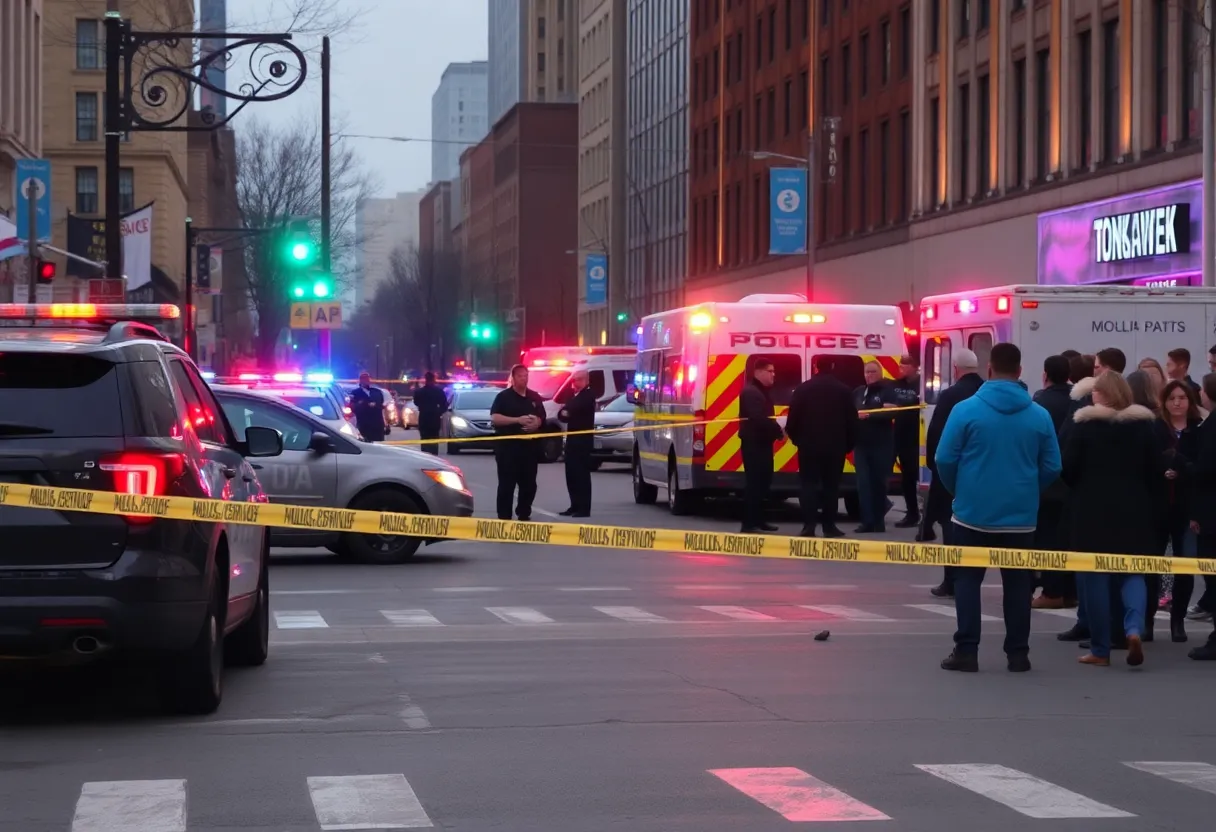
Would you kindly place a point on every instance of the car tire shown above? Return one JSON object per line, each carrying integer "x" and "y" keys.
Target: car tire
{"x": 644, "y": 494}
{"x": 551, "y": 449}
{"x": 249, "y": 644}
{"x": 383, "y": 550}
{"x": 192, "y": 682}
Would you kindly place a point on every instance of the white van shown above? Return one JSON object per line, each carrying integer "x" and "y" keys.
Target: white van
{"x": 692, "y": 364}
{"x": 1142, "y": 321}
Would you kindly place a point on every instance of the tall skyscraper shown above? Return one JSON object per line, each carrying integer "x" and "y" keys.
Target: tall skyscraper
{"x": 533, "y": 53}
{"x": 213, "y": 17}
{"x": 459, "y": 117}
{"x": 506, "y": 43}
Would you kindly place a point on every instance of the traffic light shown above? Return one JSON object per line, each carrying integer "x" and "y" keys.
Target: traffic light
{"x": 312, "y": 287}
{"x": 481, "y": 332}
{"x": 621, "y": 317}
{"x": 46, "y": 271}
{"x": 299, "y": 248}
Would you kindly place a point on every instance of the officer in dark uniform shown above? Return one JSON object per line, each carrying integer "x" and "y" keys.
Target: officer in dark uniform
{"x": 579, "y": 415}
{"x": 367, "y": 403}
{"x": 758, "y": 431}
{"x": 905, "y": 392}
{"x": 431, "y": 403}
{"x": 517, "y": 412}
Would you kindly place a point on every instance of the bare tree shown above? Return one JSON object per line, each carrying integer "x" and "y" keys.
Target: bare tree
{"x": 417, "y": 304}
{"x": 278, "y": 179}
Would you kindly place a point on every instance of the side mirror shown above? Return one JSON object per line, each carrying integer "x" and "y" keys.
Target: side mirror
{"x": 262, "y": 441}
{"x": 320, "y": 442}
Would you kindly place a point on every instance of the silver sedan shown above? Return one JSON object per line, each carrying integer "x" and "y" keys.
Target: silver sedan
{"x": 615, "y": 445}
{"x": 322, "y": 467}
{"x": 468, "y": 419}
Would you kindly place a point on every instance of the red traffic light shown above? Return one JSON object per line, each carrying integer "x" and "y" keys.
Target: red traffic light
{"x": 46, "y": 271}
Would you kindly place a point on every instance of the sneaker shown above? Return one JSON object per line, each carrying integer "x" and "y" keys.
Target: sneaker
{"x": 961, "y": 662}
{"x": 942, "y": 591}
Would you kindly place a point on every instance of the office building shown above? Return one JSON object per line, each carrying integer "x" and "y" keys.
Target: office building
{"x": 382, "y": 225}
{"x": 532, "y": 53}
{"x": 459, "y": 117}
{"x": 21, "y": 97}
{"x": 213, "y": 17}
{"x": 657, "y": 166}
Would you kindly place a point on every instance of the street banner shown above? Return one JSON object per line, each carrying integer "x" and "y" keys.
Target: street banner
{"x": 787, "y": 211}
{"x": 597, "y": 280}
{"x": 87, "y": 238}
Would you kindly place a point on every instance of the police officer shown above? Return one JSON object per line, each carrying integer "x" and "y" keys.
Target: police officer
{"x": 367, "y": 402}
{"x": 431, "y": 403}
{"x": 874, "y": 455}
{"x": 905, "y": 392}
{"x": 518, "y": 413}
{"x": 579, "y": 415}
{"x": 758, "y": 431}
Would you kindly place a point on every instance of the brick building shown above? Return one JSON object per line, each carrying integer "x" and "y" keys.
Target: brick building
{"x": 520, "y": 231}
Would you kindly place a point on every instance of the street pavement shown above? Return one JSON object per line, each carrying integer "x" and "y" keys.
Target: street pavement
{"x": 487, "y": 687}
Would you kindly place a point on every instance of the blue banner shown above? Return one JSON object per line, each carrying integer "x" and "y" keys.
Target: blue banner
{"x": 597, "y": 280}
{"x": 787, "y": 211}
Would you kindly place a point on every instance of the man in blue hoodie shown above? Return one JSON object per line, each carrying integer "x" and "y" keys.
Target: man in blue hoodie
{"x": 997, "y": 454}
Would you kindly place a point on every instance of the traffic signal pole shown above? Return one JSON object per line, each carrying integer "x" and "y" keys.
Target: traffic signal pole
{"x": 32, "y": 246}
{"x": 188, "y": 316}
{"x": 326, "y": 343}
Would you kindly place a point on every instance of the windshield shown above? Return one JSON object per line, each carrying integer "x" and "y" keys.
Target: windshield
{"x": 318, "y": 404}
{"x": 619, "y": 405}
{"x": 475, "y": 399}
{"x": 547, "y": 382}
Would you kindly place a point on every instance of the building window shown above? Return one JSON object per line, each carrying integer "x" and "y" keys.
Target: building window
{"x": 884, "y": 171}
{"x": 540, "y": 61}
{"x": 1110, "y": 99}
{"x": 863, "y": 57}
{"x": 1161, "y": 75}
{"x": 1191, "y": 85}
{"x": 846, "y": 184}
{"x": 1042, "y": 104}
{"x": 825, "y": 86}
{"x": 90, "y": 46}
{"x": 772, "y": 35}
{"x": 885, "y": 35}
{"x": 540, "y": 27}
{"x": 846, "y": 74}
{"x": 1085, "y": 100}
{"x": 964, "y": 141}
{"x": 788, "y": 115}
{"x": 789, "y": 25}
{"x": 935, "y": 150}
{"x": 739, "y": 129}
{"x": 935, "y": 26}
{"x": 984, "y": 135}
{"x": 759, "y": 41}
{"x": 86, "y": 190}
{"x": 806, "y": 21}
{"x": 964, "y": 18}
{"x": 863, "y": 169}
{"x": 825, "y": 12}
{"x": 86, "y": 116}
{"x": 715, "y": 138}
{"x": 905, "y": 41}
{"x": 983, "y": 19}
{"x": 771, "y": 125}
{"x": 715, "y": 70}
{"x": 905, "y": 165}
{"x": 757, "y": 117}
{"x": 757, "y": 216}
{"x": 126, "y": 190}
{"x": 738, "y": 56}
{"x": 1019, "y": 122}
{"x": 713, "y": 229}
{"x": 804, "y": 94}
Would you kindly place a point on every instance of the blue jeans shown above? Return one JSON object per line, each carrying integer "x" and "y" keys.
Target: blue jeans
{"x": 1018, "y": 586}
{"x": 1096, "y": 587}
{"x": 874, "y": 461}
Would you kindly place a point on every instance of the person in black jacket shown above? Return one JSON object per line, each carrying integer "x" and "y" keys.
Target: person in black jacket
{"x": 1059, "y": 588}
{"x": 367, "y": 403}
{"x": 905, "y": 392}
{"x": 1181, "y": 420}
{"x": 874, "y": 456}
{"x": 822, "y": 425}
{"x": 431, "y": 402}
{"x": 578, "y": 414}
{"x": 1202, "y": 477}
{"x": 758, "y": 431}
{"x": 938, "y": 505}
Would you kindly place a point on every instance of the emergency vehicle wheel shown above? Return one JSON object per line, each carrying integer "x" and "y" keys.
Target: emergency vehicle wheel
{"x": 679, "y": 502}
{"x": 644, "y": 494}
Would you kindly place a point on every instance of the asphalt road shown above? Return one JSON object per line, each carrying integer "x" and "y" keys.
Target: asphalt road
{"x": 512, "y": 688}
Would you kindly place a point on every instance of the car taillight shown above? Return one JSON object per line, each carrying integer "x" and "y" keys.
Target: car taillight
{"x": 698, "y": 438}
{"x": 143, "y": 474}
{"x": 347, "y": 412}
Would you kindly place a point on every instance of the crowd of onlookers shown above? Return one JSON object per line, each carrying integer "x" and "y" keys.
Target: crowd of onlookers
{"x": 1107, "y": 463}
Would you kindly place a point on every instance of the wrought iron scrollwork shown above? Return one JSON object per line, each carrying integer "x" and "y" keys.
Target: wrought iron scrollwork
{"x": 160, "y": 85}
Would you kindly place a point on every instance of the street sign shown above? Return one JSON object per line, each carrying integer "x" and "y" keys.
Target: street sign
{"x": 202, "y": 264}
{"x": 34, "y": 176}
{"x": 107, "y": 291}
{"x": 301, "y": 316}
{"x": 327, "y": 316}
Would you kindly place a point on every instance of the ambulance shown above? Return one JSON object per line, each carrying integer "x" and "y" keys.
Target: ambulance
{"x": 1142, "y": 321}
{"x": 692, "y": 364}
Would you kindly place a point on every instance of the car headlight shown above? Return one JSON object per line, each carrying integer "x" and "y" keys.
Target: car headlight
{"x": 448, "y": 479}
{"x": 459, "y": 422}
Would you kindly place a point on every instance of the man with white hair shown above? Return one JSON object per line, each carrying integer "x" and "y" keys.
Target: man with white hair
{"x": 967, "y": 381}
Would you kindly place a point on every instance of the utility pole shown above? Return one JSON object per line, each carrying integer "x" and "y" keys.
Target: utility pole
{"x": 1209, "y": 145}
{"x": 188, "y": 319}
{"x": 810, "y": 213}
{"x": 32, "y": 246}
{"x": 114, "y": 34}
{"x": 326, "y": 141}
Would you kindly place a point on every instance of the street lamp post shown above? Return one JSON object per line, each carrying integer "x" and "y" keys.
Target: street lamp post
{"x": 809, "y": 162}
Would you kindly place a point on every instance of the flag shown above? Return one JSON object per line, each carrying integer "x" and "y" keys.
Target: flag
{"x": 87, "y": 238}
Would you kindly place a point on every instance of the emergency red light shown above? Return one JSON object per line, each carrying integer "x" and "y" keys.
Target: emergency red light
{"x": 965, "y": 307}
{"x": 1002, "y": 303}
{"x": 249, "y": 377}
{"x": 1030, "y": 304}
{"x": 288, "y": 377}
{"x": 90, "y": 311}
{"x": 929, "y": 313}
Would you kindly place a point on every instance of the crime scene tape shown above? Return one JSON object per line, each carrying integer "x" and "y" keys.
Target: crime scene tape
{"x": 658, "y": 425}
{"x": 433, "y": 527}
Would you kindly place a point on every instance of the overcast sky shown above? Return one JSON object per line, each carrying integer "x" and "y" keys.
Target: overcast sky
{"x": 384, "y": 73}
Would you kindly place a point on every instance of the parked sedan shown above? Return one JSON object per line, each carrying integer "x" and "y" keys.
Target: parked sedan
{"x": 616, "y": 446}
{"x": 324, "y": 468}
{"x": 469, "y": 418}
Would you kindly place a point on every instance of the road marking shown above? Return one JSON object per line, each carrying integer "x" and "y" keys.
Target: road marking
{"x": 374, "y": 801}
{"x": 467, "y": 589}
{"x": 299, "y": 620}
{"x": 739, "y": 613}
{"x": 707, "y": 587}
{"x": 553, "y": 514}
{"x": 942, "y": 609}
{"x": 594, "y": 589}
{"x": 847, "y": 613}
{"x": 632, "y": 614}
{"x": 1060, "y": 613}
{"x": 826, "y": 586}
{"x": 796, "y": 795}
{"x": 274, "y": 592}
{"x": 123, "y": 805}
{"x": 1024, "y": 793}
{"x": 520, "y": 615}
{"x": 412, "y": 715}
{"x": 1200, "y": 776}
{"x": 411, "y": 618}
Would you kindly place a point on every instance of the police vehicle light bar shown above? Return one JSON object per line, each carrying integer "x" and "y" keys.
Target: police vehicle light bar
{"x": 91, "y": 311}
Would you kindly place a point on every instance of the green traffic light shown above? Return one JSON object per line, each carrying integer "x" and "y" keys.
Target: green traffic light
{"x": 298, "y": 291}
{"x": 621, "y": 317}
{"x": 320, "y": 289}
{"x": 301, "y": 251}
{"x": 487, "y": 333}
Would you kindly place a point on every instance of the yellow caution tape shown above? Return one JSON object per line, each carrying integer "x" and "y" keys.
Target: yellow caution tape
{"x": 579, "y": 534}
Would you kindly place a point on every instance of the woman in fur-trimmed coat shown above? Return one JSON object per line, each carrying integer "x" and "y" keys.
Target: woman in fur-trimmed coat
{"x": 1112, "y": 461}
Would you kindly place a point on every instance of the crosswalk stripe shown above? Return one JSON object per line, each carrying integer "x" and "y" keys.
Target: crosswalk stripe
{"x": 299, "y": 620}
{"x": 1060, "y": 613}
{"x": 739, "y": 613}
{"x": 942, "y": 609}
{"x": 796, "y": 795}
{"x": 632, "y": 614}
{"x": 847, "y": 613}
{"x": 411, "y": 618}
{"x": 1024, "y": 793}
{"x": 123, "y": 805}
{"x": 520, "y": 615}
{"x": 1200, "y": 776}
{"x": 374, "y": 801}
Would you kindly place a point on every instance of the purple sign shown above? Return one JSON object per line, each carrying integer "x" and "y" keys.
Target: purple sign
{"x": 1145, "y": 238}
